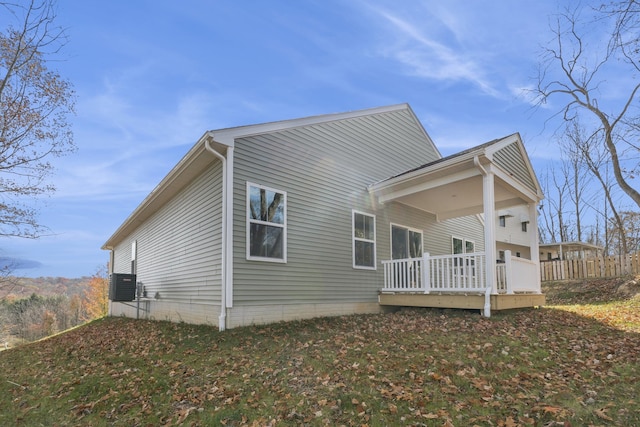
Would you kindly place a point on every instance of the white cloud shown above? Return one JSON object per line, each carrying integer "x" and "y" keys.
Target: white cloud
{"x": 431, "y": 57}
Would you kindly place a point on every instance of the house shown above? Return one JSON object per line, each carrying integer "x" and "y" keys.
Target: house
{"x": 327, "y": 215}
{"x": 569, "y": 250}
{"x": 514, "y": 232}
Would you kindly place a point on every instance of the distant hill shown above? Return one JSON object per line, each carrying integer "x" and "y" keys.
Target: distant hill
{"x": 24, "y": 287}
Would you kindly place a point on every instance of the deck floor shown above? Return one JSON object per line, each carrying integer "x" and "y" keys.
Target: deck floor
{"x": 469, "y": 301}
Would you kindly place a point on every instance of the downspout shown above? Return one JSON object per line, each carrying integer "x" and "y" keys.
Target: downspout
{"x": 224, "y": 256}
{"x": 487, "y": 293}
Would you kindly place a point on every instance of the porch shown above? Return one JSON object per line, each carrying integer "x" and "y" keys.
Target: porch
{"x": 459, "y": 281}
{"x": 481, "y": 182}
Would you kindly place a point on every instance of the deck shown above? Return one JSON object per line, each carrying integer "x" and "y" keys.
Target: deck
{"x": 459, "y": 281}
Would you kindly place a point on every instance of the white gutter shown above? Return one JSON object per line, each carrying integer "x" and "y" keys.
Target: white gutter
{"x": 487, "y": 293}
{"x": 227, "y": 221}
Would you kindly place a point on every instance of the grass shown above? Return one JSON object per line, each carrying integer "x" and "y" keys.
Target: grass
{"x": 574, "y": 363}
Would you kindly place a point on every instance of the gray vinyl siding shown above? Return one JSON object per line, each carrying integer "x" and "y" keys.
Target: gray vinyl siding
{"x": 510, "y": 159}
{"x": 122, "y": 258}
{"x": 440, "y": 234}
{"x": 179, "y": 247}
{"x": 436, "y": 234}
{"x": 325, "y": 170}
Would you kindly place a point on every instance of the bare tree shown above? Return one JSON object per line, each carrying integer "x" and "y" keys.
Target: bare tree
{"x": 573, "y": 69}
{"x": 576, "y": 173}
{"x": 555, "y": 225}
{"x": 631, "y": 221}
{"x": 595, "y": 158}
{"x": 35, "y": 102}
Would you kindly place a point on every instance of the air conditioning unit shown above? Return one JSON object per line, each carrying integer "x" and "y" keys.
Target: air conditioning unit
{"x": 122, "y": 287}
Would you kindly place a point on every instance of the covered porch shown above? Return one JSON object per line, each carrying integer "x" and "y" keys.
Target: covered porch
{"x": 480, "y": 181}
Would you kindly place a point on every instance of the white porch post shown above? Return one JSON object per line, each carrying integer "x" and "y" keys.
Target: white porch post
{"x": 534, "y": 242}
{"x": 426, "y": 272}
{"x": 488, "y": 200}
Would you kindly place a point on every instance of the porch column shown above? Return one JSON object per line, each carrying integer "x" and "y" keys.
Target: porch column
{"x": 534, "y": 239}
{"x": 489, "y": 206}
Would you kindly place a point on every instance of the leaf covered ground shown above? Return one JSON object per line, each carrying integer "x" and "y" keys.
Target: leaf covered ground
{"x": 562, "y": 365}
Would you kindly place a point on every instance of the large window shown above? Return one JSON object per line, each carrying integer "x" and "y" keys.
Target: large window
{"x": 266, "y": 224}
{"x": 364, "y": 240}
{"x": 405, "y": 242}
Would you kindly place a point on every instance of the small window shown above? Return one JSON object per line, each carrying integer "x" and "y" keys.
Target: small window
{"x": 524, "y": 226}
{"x": 266, "y": 224}
{"x": 469, "y": 247}
{"x": 462, "y": 246}
{"x": 501, "y": 255}
{"x": 518, "y": 254}
{"x": 503, "y": 221}
{"x": 457, "y": 245}
{"x": 364, "y": 240}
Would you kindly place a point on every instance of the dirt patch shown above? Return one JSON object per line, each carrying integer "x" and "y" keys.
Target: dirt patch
{"x": 591, "y": 290}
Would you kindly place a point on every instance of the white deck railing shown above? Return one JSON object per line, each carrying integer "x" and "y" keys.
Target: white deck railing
{"x": 450, "y": 273}
{"x": 523, "y": 274}
{"x": 459, "y": 273}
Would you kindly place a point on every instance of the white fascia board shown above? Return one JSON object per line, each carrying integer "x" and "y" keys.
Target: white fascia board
{"x": 499, "y": 145}
{"x": 515, "y": 138}
{"x": 162, "y": 192}
{"x": 517, "y": 185}
{"x": 429, "y": 184}
{"x": 416, "y": 174}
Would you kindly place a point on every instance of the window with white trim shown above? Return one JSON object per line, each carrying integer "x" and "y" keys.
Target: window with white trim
{"x": 462, "y": 246}
{"x": 469, "y": 246}
{"x": 266, "y": 224}
{"x": 364, "y": 240}
{"x": 405, "y": 242}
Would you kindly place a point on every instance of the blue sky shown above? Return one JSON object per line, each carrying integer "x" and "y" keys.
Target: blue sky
{"x": 152, "y": 76}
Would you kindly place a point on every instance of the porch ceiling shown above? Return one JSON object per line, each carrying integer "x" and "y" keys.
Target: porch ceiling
{"x": 453, "y": 189}
{"x": 459, "y": 198}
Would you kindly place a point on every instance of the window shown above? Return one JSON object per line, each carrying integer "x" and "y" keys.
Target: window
{"x": 364, "y": 240}
{"x": 518, "y": 254}
{"x": 405, "y": 242}
{"x": 457, "y": 246}
{"x": 462, "y": 246}
{"x": 469, "y": 247}
{"x": 503, "y": 221}
{"x": 266, "y": 224}
{"x": 524, "y": 226}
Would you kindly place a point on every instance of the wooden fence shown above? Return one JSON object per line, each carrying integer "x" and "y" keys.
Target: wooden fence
{"x": 596, "y": 267}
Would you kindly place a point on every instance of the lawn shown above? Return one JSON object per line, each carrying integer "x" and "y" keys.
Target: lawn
{"x": 573, "y": 363}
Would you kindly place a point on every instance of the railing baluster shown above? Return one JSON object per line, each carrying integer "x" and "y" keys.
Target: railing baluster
{"x": 455, "y": 273}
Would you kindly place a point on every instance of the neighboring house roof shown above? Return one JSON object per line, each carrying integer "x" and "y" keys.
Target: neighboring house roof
{"x": 198, "y": 159}
{"x": 570, "y": 246}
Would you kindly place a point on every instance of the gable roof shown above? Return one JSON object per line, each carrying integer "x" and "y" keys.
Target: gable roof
{"x": 197, "y": 159}
{"x": 430, "y": 187}
{"x": 227, "y": 136}
{"x": 470, "y": 152}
